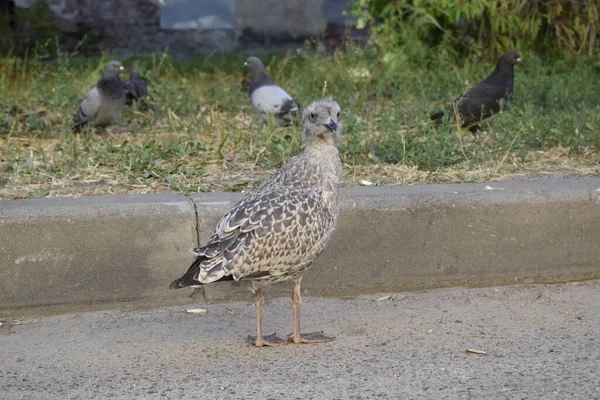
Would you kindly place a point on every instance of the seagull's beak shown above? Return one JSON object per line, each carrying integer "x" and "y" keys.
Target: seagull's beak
{"x": 519, "y": 61}
{"x": 332, "y": 126}
{"x": 121, "y": 68}
{"x": 245, "y": 64}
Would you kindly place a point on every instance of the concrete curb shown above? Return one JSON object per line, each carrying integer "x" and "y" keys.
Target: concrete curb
{"x": 89, "y": 249}
{"x": 122, "y": 248}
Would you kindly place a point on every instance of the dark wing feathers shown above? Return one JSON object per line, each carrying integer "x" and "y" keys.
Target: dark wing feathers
{"x": 482, "y": 100}
{"x": 288, "y": 106}
{"x": 134, "y": 90}
{"x": 477, "y": 104}
{"x": 80, "y": 119}
{"x": 288, "y": 110}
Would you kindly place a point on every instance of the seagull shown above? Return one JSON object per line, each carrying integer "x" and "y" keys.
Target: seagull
{"x": 275, "y": 233}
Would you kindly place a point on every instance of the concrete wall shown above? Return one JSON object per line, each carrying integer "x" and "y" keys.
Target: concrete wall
{"x": 133, "y": 26}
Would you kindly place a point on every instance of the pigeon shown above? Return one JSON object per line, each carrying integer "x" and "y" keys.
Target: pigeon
{"x": 275, "y": 232}
{"x": 102, "y": 105}
{"x": 135, "y": 89}
{"x": 482, "y": 100}
{"x": 267, "y": 98}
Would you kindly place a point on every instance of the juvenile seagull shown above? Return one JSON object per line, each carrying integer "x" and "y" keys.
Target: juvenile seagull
{"x": 482, "y": 100}
{"x": 102, "y": 105}
{"x": 267, "y": 98}
{"x": 134, "y": 88}
{"x": 277, "y": 230}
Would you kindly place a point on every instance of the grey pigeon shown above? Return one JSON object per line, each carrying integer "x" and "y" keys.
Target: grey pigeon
{"x": 267, "y": 98}
{"x": 277, "y": 230}
{"x": 135, "y": 89}
{"x": 483, "y": 99}
{"x": 103, "y": 104}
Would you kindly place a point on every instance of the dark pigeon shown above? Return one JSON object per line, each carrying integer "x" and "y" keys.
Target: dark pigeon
{"x": 267, "y": 98}
{"x": 103, "y": 104}
{"x": 135, "y": 89}
{"x": 483, "y": 99}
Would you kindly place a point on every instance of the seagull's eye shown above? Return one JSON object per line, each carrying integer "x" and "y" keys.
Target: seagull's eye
{"x": 338, "y": 115}
{"x": 313, "y": 115}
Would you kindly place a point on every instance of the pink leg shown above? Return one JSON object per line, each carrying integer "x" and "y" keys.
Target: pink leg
{"x": 316, "y": 337}
{"x": 271, "y": 340}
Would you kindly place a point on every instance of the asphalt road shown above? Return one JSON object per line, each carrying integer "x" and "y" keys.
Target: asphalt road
{"x": 541, "y": 342}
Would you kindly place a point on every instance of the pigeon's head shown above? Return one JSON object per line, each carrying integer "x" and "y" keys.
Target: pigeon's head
{"x": 321, "y": 121}
{"x": 254, "y": 64}
{"x": 113, "y": 68}
{"x": 511, "y": 58}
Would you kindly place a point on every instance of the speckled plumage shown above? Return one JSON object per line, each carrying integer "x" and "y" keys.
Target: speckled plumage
{"x": 277, "y": 230}
{"x": 103, "y": 104}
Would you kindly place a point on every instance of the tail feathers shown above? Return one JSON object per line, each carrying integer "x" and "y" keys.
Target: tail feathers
{"x": 80, "y": 119}
{"x": 190, "y": 278}
{"x": 437, "y": 118}
{"x": 287, "y": 112}
{"x": 437, "y": 115}
{"x": 201, "y": 272}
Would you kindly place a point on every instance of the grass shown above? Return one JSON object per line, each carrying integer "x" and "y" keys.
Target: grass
{"x": 198, "y": 132}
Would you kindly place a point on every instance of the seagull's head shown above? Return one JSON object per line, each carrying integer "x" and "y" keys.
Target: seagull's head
{"x": 321, "y": 121}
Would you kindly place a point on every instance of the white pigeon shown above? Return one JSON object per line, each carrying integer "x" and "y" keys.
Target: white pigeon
{"x": 103, "y": 104}
{"x": 269, "y": 99}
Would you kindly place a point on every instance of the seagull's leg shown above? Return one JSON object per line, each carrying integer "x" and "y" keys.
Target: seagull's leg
{"x": 316, "y": 337}
{"x": 271, "y": 340}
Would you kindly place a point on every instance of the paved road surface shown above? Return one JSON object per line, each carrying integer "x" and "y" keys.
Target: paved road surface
{"x": 542, "y": 342}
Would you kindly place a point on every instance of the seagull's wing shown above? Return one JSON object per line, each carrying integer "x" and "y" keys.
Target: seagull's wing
{"x": 266, "y": 234}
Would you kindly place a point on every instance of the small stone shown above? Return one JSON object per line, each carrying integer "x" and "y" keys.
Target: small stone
{"x": 196, "y": 311}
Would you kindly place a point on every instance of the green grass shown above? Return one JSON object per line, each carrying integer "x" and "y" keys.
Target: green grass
{"x": 198, "y": 132}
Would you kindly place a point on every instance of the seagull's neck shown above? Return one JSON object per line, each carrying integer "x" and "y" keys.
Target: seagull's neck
{"x": 322, "y": 147}
{"x": 325, "y": 157}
